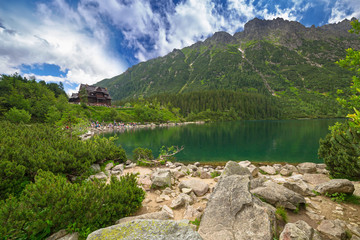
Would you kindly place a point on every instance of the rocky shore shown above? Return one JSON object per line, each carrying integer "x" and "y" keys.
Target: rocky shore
{"x": 235, "y": 201}
{"x": 91, "y": 131}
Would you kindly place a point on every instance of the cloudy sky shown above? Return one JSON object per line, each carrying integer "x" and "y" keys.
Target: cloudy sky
{"x": 85, "y": 41}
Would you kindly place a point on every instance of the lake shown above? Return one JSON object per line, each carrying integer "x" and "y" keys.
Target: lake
{"x": 267, "y": 140}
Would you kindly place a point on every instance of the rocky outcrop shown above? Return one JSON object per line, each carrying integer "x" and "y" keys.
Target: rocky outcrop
{"x": 299, "y": 230}
{"x": 147, "y": 229}
{"x": 268, "y": 170}
{"x": 336, "y": 186}
{"x": 279, "y": 195}
{"x": 199, "y": 187}
{"x": 234, "y": 213}
{"x": 299, "y": 186}
{"x": 307, "y": 167}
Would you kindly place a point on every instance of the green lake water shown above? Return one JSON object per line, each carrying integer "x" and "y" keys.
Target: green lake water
{"x": 272, "y": 141}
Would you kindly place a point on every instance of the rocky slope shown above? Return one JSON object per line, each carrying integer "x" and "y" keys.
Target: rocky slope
{"x": 279, "y": 57}
{"x": 241, "y": 203}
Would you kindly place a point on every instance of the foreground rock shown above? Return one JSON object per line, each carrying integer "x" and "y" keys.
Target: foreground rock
{"x": 299, "y": 230}
{"x": 307, "y": 167}
{"x": 234, "y": 213}
{"x": 279, "y": 195}
{"x": 336, "y": 186}
{"x": 199, "y": 187}
{"x": 333, "y": 229}
{"x": 147, "y": 229}
{"x": 233, "y": 168}
{"x": 161, "y": 178}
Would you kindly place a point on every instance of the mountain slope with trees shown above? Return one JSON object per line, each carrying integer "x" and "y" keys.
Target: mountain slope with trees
{"x": 283, "y": 60}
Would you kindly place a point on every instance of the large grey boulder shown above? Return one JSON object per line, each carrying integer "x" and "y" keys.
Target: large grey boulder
{"x": 299, "y": 230}
{"x": 233, "y": 213}
{"x": 147, "y": 229}
{"x": 336, "y": 186}
{"x": 288, "y": 169}
{"x": 278, "y": 195}
{"x": 233, "y": 168}
{"x": 333, "y": 229}
{"x": 299, "y": 186}
{"x": 307, "y": 167}
{"x": 199, "y": 187}
{"x": 161, "y": 178}
{"x": 315, "y": 179}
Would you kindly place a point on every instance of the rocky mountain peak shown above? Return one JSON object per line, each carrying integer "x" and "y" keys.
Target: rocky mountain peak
{"x": 220, "y": 37}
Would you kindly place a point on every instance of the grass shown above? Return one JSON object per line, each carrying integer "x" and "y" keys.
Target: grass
{"x": 281, "y": 214}
{"x": 196, "y": 222}
{"x": 215, "y": 174}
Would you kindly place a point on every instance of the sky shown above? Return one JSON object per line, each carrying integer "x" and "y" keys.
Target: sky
{"x": 85, "y": 41}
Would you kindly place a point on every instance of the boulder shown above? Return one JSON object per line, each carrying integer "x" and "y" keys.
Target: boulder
{"x": 199, "y": 187}
{"x": 191, "y": 213}
{"x": 233, "y": 213}
{"x": 96, "y": 167}
{"x": 253, "y": 170}
{"x": 336, "y": 186}
{"x": 257, "y": 182}
{"x": 333, "y": 229}
{"x": 315, "y": 179}
{"x": 268, "y": 170}
{"x": 300, "y": 187}
{"x": 277, "y": 167}
{"x": 144, "y": 181}
{"x": 299, "y": 230}
{"x": 70, "y": 236}
{"x": 161, "y": 178}
{"x": 119, "y": 167}
{"x": 178, "y": 174}
{"x": 307, "y": 167}
{"x": 204, "y": 175}
{"x": 197, "y": 164}
{"x": 354, "y": 237}
{"x": 233, "y": 168}
{"x": 278, "y": 195}
{"x": 288, "y": 169}
{"x": 181, "y": 200}
{"x": 109, "y": 166}
{"x": 100, "y": 176}
{"x": 147, "y": 229}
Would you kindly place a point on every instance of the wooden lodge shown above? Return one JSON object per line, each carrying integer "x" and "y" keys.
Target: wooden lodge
{"x": 95, "y": 95}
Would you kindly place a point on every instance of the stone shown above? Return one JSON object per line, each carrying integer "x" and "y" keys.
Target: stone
{"x": 70, "y": 236}
{"x": 58, "y": 235}
{"x": 128, "y": 162}
{"x": 199, "y": 187}
{"x": 161, "y": 178}
{"x": 147, "y": 229}
{"x": 333, "y": 229}
{"x": 315, "y": 216}
{"x": 109, "y": 166}
{"x": 300, "y": 187}
{"x": 278, "y": 195}
{"x": 191, "y": 213}
{"x": 277, "y": 167}
{"x": 233, "y": 213}
{"x": 336, "y": 186}
{"x": 354, "y": 237}
{"x": 181, "y": 200}
{"x": 197, "y": 164}
{"x": 186, "y": 190}
{"x": 355, "y": 229}
{"x": 315, "y": 179}
{"x": 165, "y": 197}
{"x": 253, "y": 170}
{"x": 100, "y": 176}
{"x": 257, "y": 182}
{"x": 233, "y": 168}
{"x": 161, "y": 215}
{"x": 204, "y": 175}
{"x": 245, "y": 163}
{"x": 268, "y": 170}
{"x": 306, "y": 167}
{"x": 119, "y": 167}
{"x": 178, "y": 174}
{"x": 192, "y": 167}
{"x": 299, "y": 230}
{"x": 288, "y": 169}
{"x": 159, "y": 200}
{"x": 167, "y": 191}
{"x": 95, "y": 167}
{"x": 144, "y": 181}
{"x": 168, "y": 210}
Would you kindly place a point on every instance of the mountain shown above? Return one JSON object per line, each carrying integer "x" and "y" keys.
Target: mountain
{"x": 271, "y": 57}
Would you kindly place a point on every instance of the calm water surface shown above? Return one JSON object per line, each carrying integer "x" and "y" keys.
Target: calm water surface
{"x": 273, "y": 141}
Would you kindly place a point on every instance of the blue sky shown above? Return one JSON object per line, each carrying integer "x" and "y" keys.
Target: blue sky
{"x": 85, "y": 41}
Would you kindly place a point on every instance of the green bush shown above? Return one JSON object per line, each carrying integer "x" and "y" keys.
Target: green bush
{"x": 341, "y": 151}
{"x": 15, "y": 115}
{"x": 142, "y": 154}
{"x": 24, "y": 149}
{"x": 52, "y": 203}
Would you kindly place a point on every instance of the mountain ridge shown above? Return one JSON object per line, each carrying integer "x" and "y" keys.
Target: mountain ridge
{"x": 272, "y": 57}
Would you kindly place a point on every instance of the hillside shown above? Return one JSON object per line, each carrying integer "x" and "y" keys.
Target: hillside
{"x": 270, "y": 57}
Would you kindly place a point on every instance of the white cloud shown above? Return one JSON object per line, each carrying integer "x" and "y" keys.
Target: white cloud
{"x": 344, "y": 9}
{"x": 57, "y": 35}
